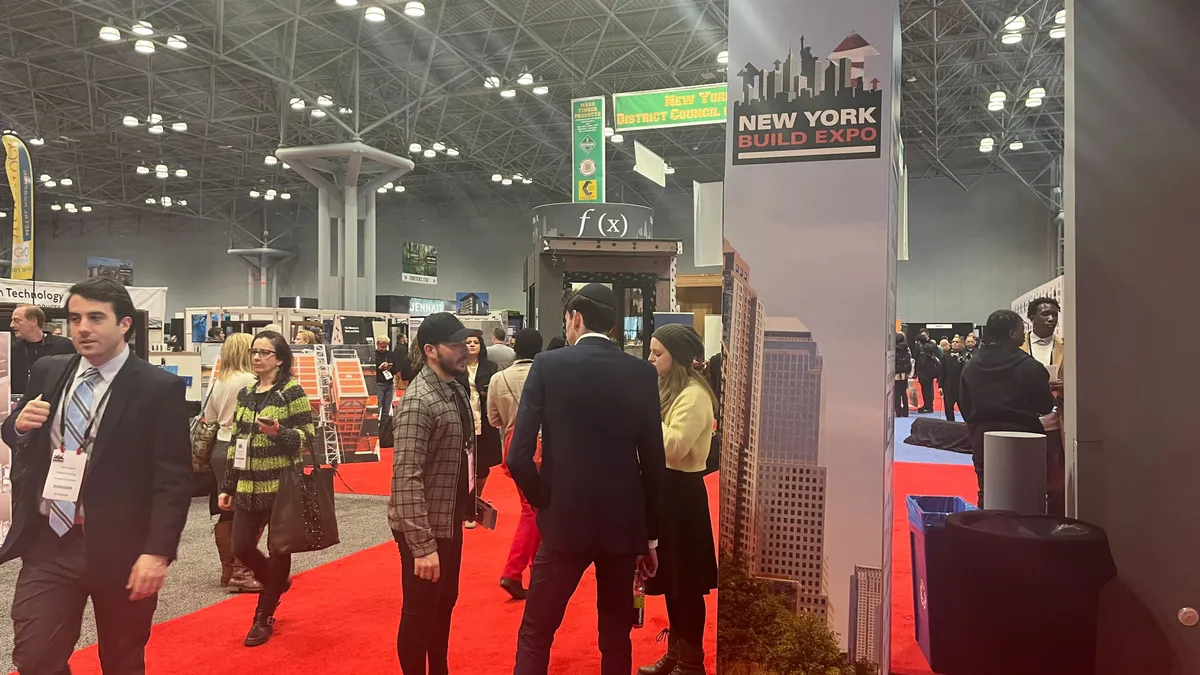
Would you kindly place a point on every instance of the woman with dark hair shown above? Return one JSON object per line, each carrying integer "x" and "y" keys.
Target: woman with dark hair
{"x": 556, "y": 342}
{"x": 272, "y": 425}
{"x": 487, "y": 438}
{"x": 904, "y": 365}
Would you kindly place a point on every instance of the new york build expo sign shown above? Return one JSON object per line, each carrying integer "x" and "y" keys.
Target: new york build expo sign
{"x": 665, "y": 108}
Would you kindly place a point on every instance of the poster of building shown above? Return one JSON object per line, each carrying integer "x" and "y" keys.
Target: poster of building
{"x": 112, "y": 268}
{"x": 471, "y": 304}
{"x": 419, "y": 263}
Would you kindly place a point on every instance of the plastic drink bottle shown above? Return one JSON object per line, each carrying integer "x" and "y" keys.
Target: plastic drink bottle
{"x": 639, "y": 603}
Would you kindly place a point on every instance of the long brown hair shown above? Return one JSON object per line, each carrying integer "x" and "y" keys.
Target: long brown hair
{"x": 678, "y": 379}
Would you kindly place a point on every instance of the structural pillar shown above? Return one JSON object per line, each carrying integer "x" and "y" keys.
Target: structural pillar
{"x": 370, "y": 253}
{"x": 323, "y": 255}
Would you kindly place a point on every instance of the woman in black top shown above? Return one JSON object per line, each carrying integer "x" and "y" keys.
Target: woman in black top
{"x": 950, "y": 379}
{"x": 487, "y": 438}
{"x": 903, "y": 369}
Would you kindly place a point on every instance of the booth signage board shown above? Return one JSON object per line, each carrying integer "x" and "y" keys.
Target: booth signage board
{"x": 52, "y": 294}
{"x": 20, "y": 180}
{"x": 419, "y": 263}
{"x": 667, "y": 108}
{"x": 425, "y": 306}
{"x": 606, "y": 221}
{"x": 587, "y": 149}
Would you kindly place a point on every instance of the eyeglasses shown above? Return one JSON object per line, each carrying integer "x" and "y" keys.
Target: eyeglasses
{"x": 263, "y": 353}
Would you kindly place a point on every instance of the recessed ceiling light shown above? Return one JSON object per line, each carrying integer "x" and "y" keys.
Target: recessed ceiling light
{"x": 156, "y": 129}
{"x": 1058, "y": 32}
{"x": 254, "y": 194}
{"x": 617, "y": 138}
{"x": 297, "y": 103}
{"x": 506, "y": 181}
{"x": 439, "y": 146}
{"x": 110, "y": 34}
{"x": 541, "y": 90}
{"x": 143, "y": 47}
{"x": 154, "y": 118}
{"x": 181, "y": 173}
{"x": 50, "y": 184}
{"x": 491, "y": 82}
{"x": 177, "y": 42}
{"x": 374, "y": 14}
{"x": 414, "y": 8}
{"x": 142, "y": 28}
{"x": 142, "y": 170}
{"x": 608, "y": 132}
{"x": 285, "y": 195}
{"x": 130, "y": 121}
{"x": 317, "y": 113}
{"x": 37, "y": 140}
{"x": 1061, "y": 17}
{"x": 452, "y": 152}
{"x": 66, "y": 182}
{"x": 55, "y": 207}
{"x": 1016, "y": 145}
{"x": 1014, "y": 23}
{"x": 324, "y": 101}
{"x": 398, "y": 188}
{"x": 270, "y": 160}
{"x": 44, "y": 177}
{"x": 179, "y": 126}
{"x": 1011, "y": 38}
{"x": 723, "y": 56}
{"x": 1032, "y": 102}
{"x": 508, "y": 93}
{"x": 347, "y": 3}
{"x": 429, "y": 153}
{"x": 85, "y": 209}
{"x": 525, "y": 79}
{"x": 995, "y": 105}
{"x": 496, "y": 178}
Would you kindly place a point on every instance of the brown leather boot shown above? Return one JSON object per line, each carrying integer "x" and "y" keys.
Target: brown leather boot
{"x": 223, "y": 535}
{"x": 243, "y": 580}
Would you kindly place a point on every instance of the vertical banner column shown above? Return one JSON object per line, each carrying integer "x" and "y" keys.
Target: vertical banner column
{"x": 588, "y": 146}
{"x": 811, "y": 191}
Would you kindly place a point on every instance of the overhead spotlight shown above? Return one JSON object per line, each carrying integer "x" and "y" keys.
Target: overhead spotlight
{"x": 985, "y": 148}
{"x": 1014, "y": 23}
{"x": 177, "y": 42}
{"x": 452, "y": 152}
{"x": 143, "y": 47}
{"x": 270, "y": 160}
{"x": 998, "y": 96}
{"x": 3, "y": 214}
{"x": 286, "y": 165}
{"x": 285, "y": 195}
{"x": 414, "y": 9}
{"x": 297, "y": 103}
{"x": 429, "y": 153}
{"x": 149, "y": 200}
{"x": 37, "y": 140}
{"x": 1037, "y": 92}
{"x": 1061, "y": 17}
{"x": 508, "y": 93}
{"x": 669, "y": 170}
{"x": 156, "y": 129}
{"x": 496, "y": 178}
{"x": 183, "y": 202}
{"x": 995, "y": 105}
{"x": 525, "y": 79}
{"x": 269, "y": 197}
{"x": 50, "y": 184}
{"x": 1010, "y": 38}
{"x": 142, "y": 28}
{"x": 55, "y": 207}
{"x": 381, "y": 190}
{"x": 398, "y": 188}
{"x": 181, "y": 173}
{"x": 527, "y": 181}
{"x": 389, "y": 185}
{"x": 317, "y": 113}
{"x": 324, "y": 101}
{"x": 161, "y": 175}
{"x": 491, "y": 82}
{"x": 154, "y": 118}
{"x": 271, "y": 193}
{"x": 347, "y": 3}
{"x": 161, "y": 168}
{"x": 142, "y": 170}
{"x": 541, "y": 90}
{"x": 910, "y": 79}
{"x": 987, "y": 140}
{"x": 166, "y": 201}
{"x": 1058, "y": 32}
{"x": 130, "y": 121}
{"x": 1016, "y": 145}
{"x": 66, "y": 182}
{"x": 254, "y": 194}
{"x": 617, "y": 138}
{"x": 1032, "y": 102}
{"x": 69, "y": 206}
{"x": 85, "y": 209}
{"x": 414, "y": 148}
{"x": 506, "y": 181}
{"x": 344, "y": 111}
{"x": 110, "y": 34}
{"x": 44, "y": 178}
{"x": 374, "y": 14}
{"x": 439, "y": 146}
{"x": 608, "y": 132}
{"x": 517, "y": 176}
{"x": 179, "y": 126}
{"x": 723, "y": 57}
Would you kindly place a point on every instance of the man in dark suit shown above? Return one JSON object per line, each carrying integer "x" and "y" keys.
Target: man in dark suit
{"x": 101, "y": 487}
{"x": 598, "y": 488}
{"x": 30, "y": 343}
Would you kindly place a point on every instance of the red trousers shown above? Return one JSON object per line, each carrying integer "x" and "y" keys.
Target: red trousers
{"x": 526, "y": 541}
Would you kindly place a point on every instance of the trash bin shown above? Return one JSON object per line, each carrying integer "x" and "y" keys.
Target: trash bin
{"x": 934, "y": 593}
{"x": 1029, "y": 591}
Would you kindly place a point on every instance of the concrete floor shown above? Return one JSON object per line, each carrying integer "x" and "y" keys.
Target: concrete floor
{"x": 193, "y": 580}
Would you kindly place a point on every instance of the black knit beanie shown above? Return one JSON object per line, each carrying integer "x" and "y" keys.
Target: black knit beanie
{"x": 682, "y": 341}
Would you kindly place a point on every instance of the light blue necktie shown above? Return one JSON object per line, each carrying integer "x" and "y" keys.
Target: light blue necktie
{"x": 78, "y": 413}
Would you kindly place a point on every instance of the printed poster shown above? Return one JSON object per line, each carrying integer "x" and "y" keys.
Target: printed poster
{"x": 419, "y": 263}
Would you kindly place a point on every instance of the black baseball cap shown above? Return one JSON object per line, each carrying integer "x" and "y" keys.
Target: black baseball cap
{"x": 442, "y": 328}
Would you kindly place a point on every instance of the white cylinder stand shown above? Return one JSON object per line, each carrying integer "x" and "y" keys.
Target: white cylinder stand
{"x": 1014, "y": 472}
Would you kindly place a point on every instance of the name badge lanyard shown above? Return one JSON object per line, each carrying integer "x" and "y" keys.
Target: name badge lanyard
{"x": 86, "y": 439}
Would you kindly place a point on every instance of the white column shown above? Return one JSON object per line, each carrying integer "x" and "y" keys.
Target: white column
{"x": 370, "y": 259}
{"x": 350, "y": 249}
{"x": 323, "y": 253}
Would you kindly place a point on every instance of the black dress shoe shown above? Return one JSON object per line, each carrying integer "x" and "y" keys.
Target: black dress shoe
{"x": 261, "y": 631}
{"x": 514, "y": 588}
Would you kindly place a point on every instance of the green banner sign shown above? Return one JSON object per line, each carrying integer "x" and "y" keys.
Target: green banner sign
{"x": 684, "y": 107}
{"x": 587, "y": 149}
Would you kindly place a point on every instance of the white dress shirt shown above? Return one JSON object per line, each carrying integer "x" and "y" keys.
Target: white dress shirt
{"x": 1042, "y": 349}
{"x": 108, "y": 372}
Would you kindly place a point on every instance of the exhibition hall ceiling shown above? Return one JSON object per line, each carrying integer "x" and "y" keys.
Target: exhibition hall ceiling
{"x": 226, "y": 82}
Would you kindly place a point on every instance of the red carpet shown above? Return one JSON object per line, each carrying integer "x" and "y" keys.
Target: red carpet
{"x": 916, "y": 479}
{"x": 341, "y": 618}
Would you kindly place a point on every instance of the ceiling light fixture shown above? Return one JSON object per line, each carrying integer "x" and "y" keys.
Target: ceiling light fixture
{"x": 156, "y": 129}
{"x": 1060, "y": 18}
{"x": 995, "y": 106}
{"x": 324, "y": 101}
{"x": 143, "y": 47}
{"x": 270, "y": 160}
{"x": 1010, "y": 38}
{"x": 1014, "y": 23}
{"x": 161, "y": 168}
{"x": 1032, "y": 102}
{"x": 285, "y": 195}
{"x": 670, "y": 170}
{"x": 55, "y": 207}
{"x": 415, "y": 9}
{"x": 297, "y": 103}
{"x": 85, "y": 209}
{"x": 142, "y": 28}
{"x": 37, "y": 140}
{"x": 452, "y": 152}
{"x": 254, "y": 194}
{"x": 525, "y": 79}
{"x": 517, "y": 176}
{"x": 429, "y": 153}
{"x": 347, "y": 3}
{"x": 496, "y": 178}
{"x": 527, "y": 181}
{"x": 3, "y": 214}
{"x": 508, "y": 93}
{"x": 181, "y": 173}
{"x": 50, "y": 184}
{"x": 1037, "y": 92}
{"x": 439, "y": 146}
{"x": 381, "y": 190}
{"x": 286, "y": 165}
{"x": 1058, "y": 33}
{"x": 317, "y": 113}
{"x": 154, "y": 118}
{"x": 161, "y": 175}
{"x": 269, "y": 197}
{"x": 617, "y": 138}
{"x": 506, "y": 181}
{"x": 399, "y": 188}
{"x": 69, "y": 206}
{"x": 541, "y": 90}
{"x": 130, "y": 121}
{"x": 491, "y": 82}
{"x": 166, "y": 201}
{"x": 1016, "y": 145}
{"x": 998, "y": 96}
{"x": 985, "y": 148}
{"x": 179, "y": 126}
{"x": 723, "y": 57}
{"x": 271, "y": 193}
{"x": 608, "y": 132}
{"x": 110, "y": 34}
{"x": 374, "y": 14}
{"x": 389, "y": 185}
{"x": 177, "y": 42}
{"x": 66, "y": 182}
{"x": 44, "y": 177}
{"x": 345, "y": 111}
{"x": 149, "y": 200}
{"x": 414, "y": 148}
{"x": 142, "y": 170}
{"x": 183, "y": 202}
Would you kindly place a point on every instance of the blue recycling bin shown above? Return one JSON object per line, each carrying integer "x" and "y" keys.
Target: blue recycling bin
{"x": 935, "y": 576}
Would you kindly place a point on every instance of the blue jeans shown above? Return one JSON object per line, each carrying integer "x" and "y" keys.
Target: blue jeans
{"x": 385, "y": 398}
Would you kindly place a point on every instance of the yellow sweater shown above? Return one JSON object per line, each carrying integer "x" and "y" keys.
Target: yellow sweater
{"x": 688, "y": 429}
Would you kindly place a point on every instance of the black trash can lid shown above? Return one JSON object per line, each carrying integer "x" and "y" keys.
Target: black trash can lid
{"x": 1045, "y": 541}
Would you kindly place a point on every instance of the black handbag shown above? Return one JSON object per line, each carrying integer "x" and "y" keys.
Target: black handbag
{"x": 303, "y": 518}
{"x": 387, "y": 436}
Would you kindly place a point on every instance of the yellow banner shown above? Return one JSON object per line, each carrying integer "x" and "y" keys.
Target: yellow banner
{"x": 20, "y": 180}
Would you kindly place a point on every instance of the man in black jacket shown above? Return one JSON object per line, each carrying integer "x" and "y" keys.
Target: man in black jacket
{"x": 1003, "y": 388}
{"x": 389, "y": 366}
{"x": 102, "y": 482}
{"x": 31, "y": 342}
{"x": 597, "y": 492}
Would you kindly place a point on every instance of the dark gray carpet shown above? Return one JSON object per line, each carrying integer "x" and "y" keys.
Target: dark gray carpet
{"x": 193, "y": 580}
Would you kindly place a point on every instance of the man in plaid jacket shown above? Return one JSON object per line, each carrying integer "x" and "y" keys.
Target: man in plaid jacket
{"x": 433, "y": 492}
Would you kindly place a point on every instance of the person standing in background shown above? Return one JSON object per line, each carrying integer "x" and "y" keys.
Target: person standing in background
{"x": 928, "y": 367}
{"x": 499, "y": 352}
{"x": 477, "y": 379}
{"x": 504, "y": 400}
{"x": 950, "y": 379}
{"x": 556, "y": 342}
{"x": 599, "y": 487}
{"x": 235, "y": 375}
{"x": 1044, "y": 345}
{"x": 102, "y": 482}
{"x": 389, "y": 365}
{"x": 304, "y": 337}
{"x": 31, "y": 342}
{"x": 687, "y": 560}
{"x": 970, "y": 346}
{"x": 904, "y": 366}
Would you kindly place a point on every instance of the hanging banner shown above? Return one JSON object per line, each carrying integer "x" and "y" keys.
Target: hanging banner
{"x": 20, "y": 180}
{"x": 587, "y": 149}
{"x": 663, "y": 108}
{"x": 419, "y": 263}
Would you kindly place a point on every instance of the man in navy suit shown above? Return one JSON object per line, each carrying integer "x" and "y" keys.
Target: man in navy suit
{"x": 598, "y": 489}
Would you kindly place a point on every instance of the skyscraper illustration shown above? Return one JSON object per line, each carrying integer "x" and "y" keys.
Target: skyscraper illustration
{"x": 866, "y": 604}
